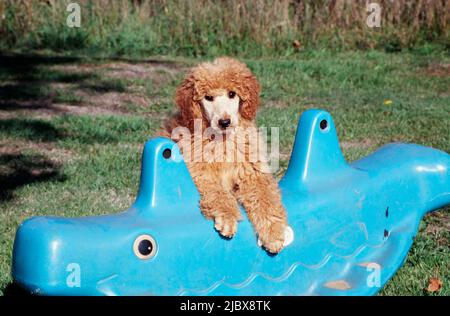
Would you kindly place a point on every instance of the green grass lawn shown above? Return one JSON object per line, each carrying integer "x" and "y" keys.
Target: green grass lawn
{"x": 72, "y": 130}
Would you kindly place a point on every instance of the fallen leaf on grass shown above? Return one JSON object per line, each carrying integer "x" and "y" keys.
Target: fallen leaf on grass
{"x": 297, "y": 45}
{"x": 434, "y": 285}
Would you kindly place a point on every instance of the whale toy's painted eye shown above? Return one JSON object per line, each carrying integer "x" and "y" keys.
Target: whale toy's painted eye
{"x": 144, "y": 247}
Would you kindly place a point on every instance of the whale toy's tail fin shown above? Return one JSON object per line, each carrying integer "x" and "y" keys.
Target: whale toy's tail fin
{"x": 316, "y": 154}
{"x": 165, "y": 180}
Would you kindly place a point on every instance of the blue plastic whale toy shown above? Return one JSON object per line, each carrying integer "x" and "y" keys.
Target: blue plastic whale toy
{"x": 352, "y": 224}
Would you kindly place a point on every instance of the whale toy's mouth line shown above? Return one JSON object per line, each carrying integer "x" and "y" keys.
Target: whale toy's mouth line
{"x": 111, "y": 277}
{"x": 351, "y": 222}
{"x": 284, "y": 276}
{"x": 106, "y": 285}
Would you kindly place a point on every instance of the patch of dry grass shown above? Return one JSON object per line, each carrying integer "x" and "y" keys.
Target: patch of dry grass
{"x": 199, "y": 27}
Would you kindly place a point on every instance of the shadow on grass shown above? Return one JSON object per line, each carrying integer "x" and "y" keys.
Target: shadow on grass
{"x": 28, "y": 81}
{"x": 18, "y": 170}
{"x": 30, "y": 129}
{"x": 171, "y": 64}
{"x": 103, "y": 86}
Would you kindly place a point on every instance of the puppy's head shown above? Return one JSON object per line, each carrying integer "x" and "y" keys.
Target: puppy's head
{"x": 220, "y": 93}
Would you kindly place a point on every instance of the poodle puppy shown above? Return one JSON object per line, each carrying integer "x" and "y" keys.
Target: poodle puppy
{"x": 221, "y": 98}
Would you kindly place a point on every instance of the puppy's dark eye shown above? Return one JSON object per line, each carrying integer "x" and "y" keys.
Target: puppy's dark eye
{"x": 231, "y": 94}
{"x": 209, "y": 98}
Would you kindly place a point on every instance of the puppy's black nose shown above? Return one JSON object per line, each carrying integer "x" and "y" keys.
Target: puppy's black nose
{"x": 224, "y": 123}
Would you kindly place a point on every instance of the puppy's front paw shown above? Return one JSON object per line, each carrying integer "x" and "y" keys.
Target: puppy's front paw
{"x": 272, "y": 237}
{"x": 226, "y": 225}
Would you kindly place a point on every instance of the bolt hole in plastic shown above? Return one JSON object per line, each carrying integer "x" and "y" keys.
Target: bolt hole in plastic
{"x": 144, "y": 247}
{"x": 167, "y": 153}
{"x": 323, "y": 125}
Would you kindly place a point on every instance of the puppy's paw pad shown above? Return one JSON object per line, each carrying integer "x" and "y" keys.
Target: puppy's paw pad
{"x": 274, "y": 246}
{"x": 276, "y": 242}
{"x": 225, "y": 226}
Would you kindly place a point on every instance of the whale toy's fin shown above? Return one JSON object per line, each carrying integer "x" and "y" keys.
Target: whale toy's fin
{"x": 316, "y": 154}
{"x": 165, "y": 180}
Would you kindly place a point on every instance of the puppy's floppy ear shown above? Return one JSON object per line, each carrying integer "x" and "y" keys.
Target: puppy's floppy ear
{"x": 250, "y": 97}
{"x": 184, "y": 98}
